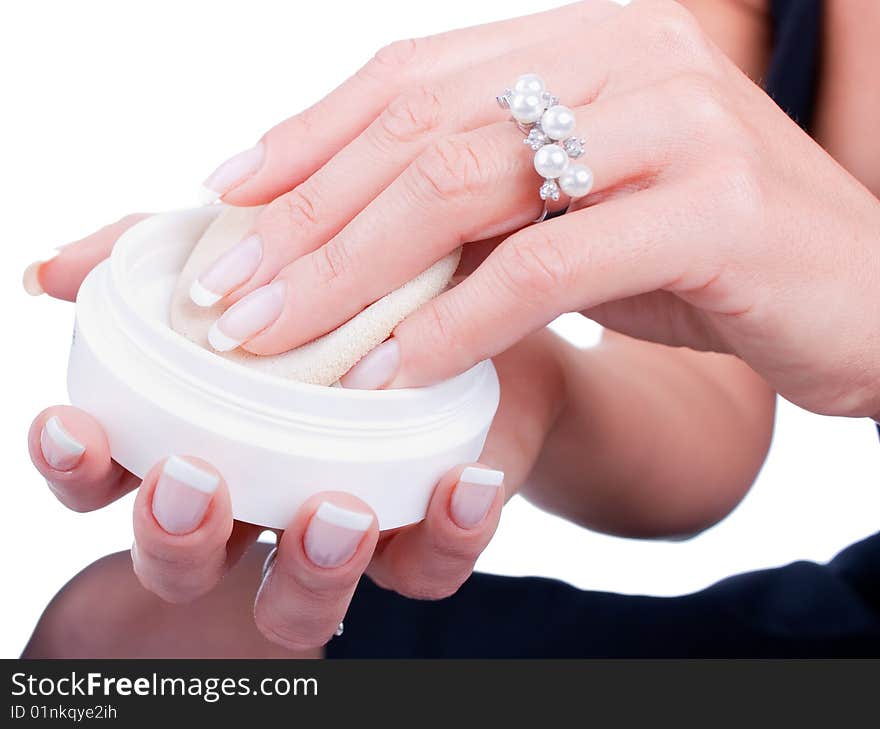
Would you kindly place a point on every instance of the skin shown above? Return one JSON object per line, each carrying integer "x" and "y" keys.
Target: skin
{"x": 549, "y": 388}
{"x": 632, "y": 437}
{"x": 847, "y": 116}
{"x": 708, "y": 226}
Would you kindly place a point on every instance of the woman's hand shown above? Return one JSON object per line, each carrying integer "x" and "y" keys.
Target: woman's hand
{"x": 714, "y": 222}
{"x": 186, "y": 538}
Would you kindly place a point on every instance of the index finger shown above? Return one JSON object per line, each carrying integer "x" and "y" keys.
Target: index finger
{"x": 69, "y": 448}
{"x": 294, "y": 149}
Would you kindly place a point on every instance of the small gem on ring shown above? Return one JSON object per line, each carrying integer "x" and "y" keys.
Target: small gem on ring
{"x": 549, "y": 189}
{"x": 536, "y": 138}
{"x": 549, "y": 99}
{"x": 574, "y": 146}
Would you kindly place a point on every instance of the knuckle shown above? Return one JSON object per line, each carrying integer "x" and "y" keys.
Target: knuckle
{"x": 179, "y": 568}
{"x": 459, "y": 552}
{"x": 699, "y": 103}
{"x": 705, "y": 101}
{"x": 286, "y": 634}
{"x": 305, "y": 124}
{"x": 300, "y": 620}
{"x": 737, "y": 188}
{"x": 393, "y": 61}
{"x": 175, "y": 591}
{"x": 331, "y": 262}
{"x": 437, "y": 334}
{"x": 410, "y": 115}
{"x": 301, "y": 206}
{"x": 321, "y": 592}
{"x": 452, "y": 167}
{"x": 534, "y": 266}
{"x": 676, "y": 31}
{"x": 423, "y": 587}
{"x": 675, "y": 21}
{"x": 441, "y": 592}
{"x": 176, "y": 595}
{"x": 73, "y": 498}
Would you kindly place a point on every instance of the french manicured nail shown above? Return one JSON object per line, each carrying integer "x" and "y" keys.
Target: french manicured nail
{"x": 232, "y": 173}
{"x": 228, "y": 272}
{"x": 376, "y": 369}
{"x": 247, "y": 317}
{"x": 334, "y": 533}
{"x": 31, "y": 277}
{"x": 474, "y": 495}
{"x": 60, "y": 449}
{"x": 182, "y": 495}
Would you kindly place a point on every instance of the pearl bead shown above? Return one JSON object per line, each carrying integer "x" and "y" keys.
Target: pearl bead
{"x": 526, "y": 108}
{"x": 551, "y": 161}
{"x": 529, "y": 83}
{"x": 558, "y": 122}
{"x": 576, "y": 181}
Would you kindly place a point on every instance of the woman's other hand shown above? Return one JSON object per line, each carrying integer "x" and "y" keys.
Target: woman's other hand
{"x": 186, "y": 538}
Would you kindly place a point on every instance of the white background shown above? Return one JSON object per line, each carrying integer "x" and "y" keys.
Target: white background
{"x": 114, "y": 107}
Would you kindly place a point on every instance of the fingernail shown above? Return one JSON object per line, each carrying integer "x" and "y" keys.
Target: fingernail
{"x": 228, "y": 272}
{"x": 376, "y": 369}
{"x": 31, "y": 277}
{"x": 334, "y": 534}
{"x": 474, "y": 495}
{"x": 232, "y": 173}
{"x": 60, "y": 449}
{"x": 248, "y": 317}
{"x": 182, "y": 495}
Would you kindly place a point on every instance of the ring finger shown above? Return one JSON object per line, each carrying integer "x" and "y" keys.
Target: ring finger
{"x": 320, "y": 558}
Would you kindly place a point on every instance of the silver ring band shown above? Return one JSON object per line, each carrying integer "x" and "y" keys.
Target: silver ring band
{"x": 269, "y": 562}
{"x": 550, "y": 133}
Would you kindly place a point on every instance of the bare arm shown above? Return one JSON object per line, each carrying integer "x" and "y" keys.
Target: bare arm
{"x": 651, "y": 440}
{"x": 740, "y": 28}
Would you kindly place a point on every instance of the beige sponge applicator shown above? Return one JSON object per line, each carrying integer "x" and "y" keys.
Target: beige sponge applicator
{"x": 324, "y": 360}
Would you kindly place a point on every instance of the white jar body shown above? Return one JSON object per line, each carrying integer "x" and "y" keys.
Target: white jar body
{"x": 276, "y": 443}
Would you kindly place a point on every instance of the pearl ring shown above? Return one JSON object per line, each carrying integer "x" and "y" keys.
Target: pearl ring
{"x": 550, "y": 133}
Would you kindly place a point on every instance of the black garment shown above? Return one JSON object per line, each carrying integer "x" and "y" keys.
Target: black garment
{"x": 794, "y": 64}
{"x": 803, "y": 609}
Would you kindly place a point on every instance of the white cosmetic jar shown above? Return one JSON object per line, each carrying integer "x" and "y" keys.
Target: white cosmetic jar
{"x": 275, "y": 441}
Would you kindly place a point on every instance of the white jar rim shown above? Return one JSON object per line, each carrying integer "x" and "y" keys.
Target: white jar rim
{"x": 307, "y": 404}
